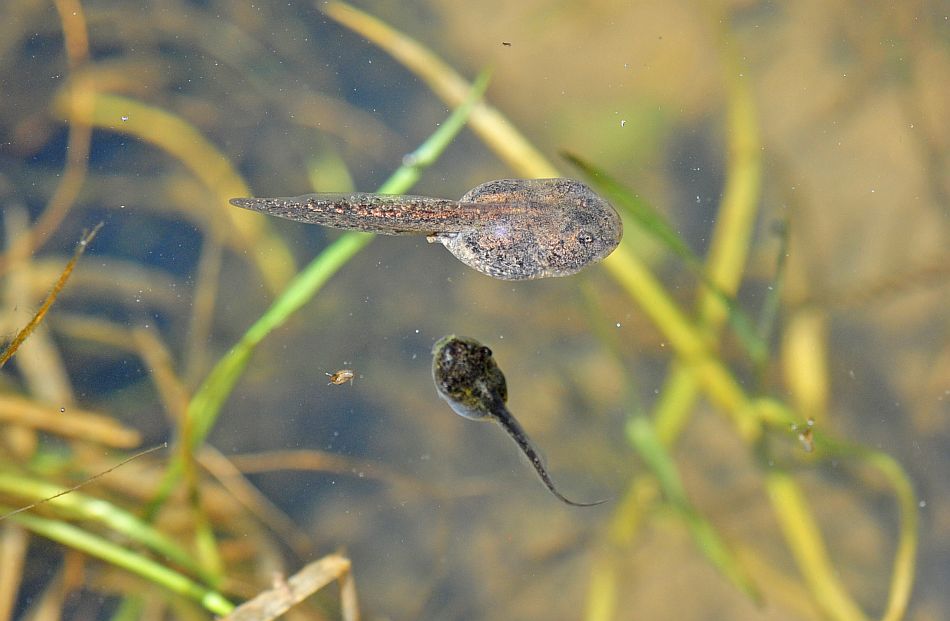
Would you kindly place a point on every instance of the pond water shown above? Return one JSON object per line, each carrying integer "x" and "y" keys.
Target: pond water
{"x": 801, "y": 150}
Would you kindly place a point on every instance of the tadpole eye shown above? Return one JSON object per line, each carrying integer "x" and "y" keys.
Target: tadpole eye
{"x": 485, "y": 352}
{"x": 585, "y": 238}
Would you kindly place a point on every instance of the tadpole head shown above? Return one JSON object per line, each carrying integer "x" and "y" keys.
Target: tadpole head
{"x": 588, "y": 228}
{"x": 467, "y": 377}
{"x": 537, "y": 228}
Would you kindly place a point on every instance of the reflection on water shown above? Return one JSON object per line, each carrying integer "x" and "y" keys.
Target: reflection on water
{"x": 829, "y": 119}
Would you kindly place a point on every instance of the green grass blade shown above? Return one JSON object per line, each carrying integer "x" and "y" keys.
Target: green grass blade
{"x": 771, "y": 306}
{"x": 429, "y": 151}
{"x": 93, "y": 545}
{"x": 803, "y": 538}
{"x": 643, "y": 438}
{"x": 905, "y": 555}
{"x": 80, "y": 506}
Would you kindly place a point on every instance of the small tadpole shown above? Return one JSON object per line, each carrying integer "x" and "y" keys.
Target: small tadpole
{"x": 341, "y": 377}
{"x": 506, "y": 43}
{"x": 468, "y": 378}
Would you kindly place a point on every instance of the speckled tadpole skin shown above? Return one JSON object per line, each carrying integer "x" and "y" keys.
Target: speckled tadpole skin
{"x": 511, "y": 229}
{"x": 468, "y": 378}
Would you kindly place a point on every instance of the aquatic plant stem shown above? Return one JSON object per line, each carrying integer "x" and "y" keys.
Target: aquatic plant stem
{"x": 686, "y": 340}
{"x": 905, "y": 557}
{"x": 802, "y": 534}
{"x": 642, "y": 435}
{"x": 731, "y": 237}
{"x": 25, "y": 332}
{"x": 750, "y": 417}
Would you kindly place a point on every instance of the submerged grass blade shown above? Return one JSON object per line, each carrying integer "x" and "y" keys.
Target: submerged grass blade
{"x": 803, "y": 538}
{"x": 905, "y": 556}
{"x": 95, "y": 510}
{"x": 739, "y": 206}
{"x": 644, "y": 439}
{"x": 653, "y": 222}
{"x": 730, "y": 242}
{"x": 25, "y": 332}
{"x": 903, "y": 566}
{"x": 93, "y": 545}
{"x": 771, "y": 305}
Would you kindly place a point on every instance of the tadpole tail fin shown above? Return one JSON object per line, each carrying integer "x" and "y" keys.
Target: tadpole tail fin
{"x": 359, "y": 211}
{"x": 518, "y": 434}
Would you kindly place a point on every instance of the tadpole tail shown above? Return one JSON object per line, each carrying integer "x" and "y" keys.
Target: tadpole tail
{"x": 384, "y": 214}
{"x": 517, "y": 433}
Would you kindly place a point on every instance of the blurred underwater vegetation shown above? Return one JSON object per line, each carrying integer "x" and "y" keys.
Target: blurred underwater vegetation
{"x": 758, "y": 377}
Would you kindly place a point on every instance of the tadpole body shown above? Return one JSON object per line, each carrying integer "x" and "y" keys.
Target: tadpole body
{"x": 468, "y": 378}
{"x": 510, "y": 229}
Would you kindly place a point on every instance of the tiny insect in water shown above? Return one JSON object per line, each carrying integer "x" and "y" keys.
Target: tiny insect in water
{"x": 341, "y": 377}
{"x": 806, "y": 436}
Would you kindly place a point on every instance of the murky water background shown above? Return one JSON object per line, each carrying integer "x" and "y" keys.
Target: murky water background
{"x": 440, "y": 517}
